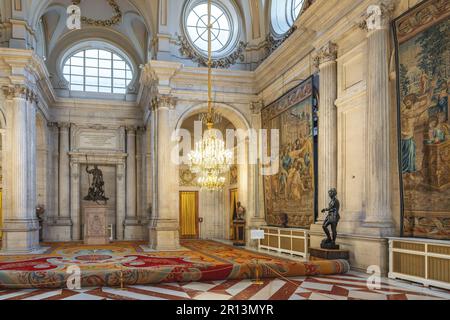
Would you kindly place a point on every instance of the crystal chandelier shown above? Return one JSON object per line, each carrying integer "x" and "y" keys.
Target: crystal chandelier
{"x": 210, "y": 160}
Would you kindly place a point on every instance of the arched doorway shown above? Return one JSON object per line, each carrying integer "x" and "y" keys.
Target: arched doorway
{"x": 216, "y": 209}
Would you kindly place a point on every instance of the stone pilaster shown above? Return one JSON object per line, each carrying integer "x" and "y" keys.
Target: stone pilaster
{"x": 378, "y": 202}
{"x": 257, "y": 218}
{"x": 64, "y": 219}
{"x": 327, "y": 166}
{"x": 325, "y": 62}
{"x": 164, "y": 225}
{"x": 75, "y": 209}
{"x": 132, "y": 225}
{"x": 120, "y": 201}
{"x": 21, "y": 227}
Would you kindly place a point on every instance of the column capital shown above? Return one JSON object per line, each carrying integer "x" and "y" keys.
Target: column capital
{"x": 377, "y": 16}
{"x": 131, "y": 129}
{"x": 256, "y": 106}
{"x": 164, "y": 101}
{"x": 19, "y": 91}
{"x": 64, "y": 125}
{"x": 141, "y": 129}
{"x": 52, "y": 125}
{"x": 325, "y": 54}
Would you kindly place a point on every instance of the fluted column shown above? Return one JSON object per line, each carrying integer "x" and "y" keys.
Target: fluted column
{"x": 120, "y": 201}
{"x": 164, "y": 226}
{"x": 378, "y": 206}
{"x": 75, "y": 201}
{"x": 21, "y": 228}
{"x": 64, "y": 219}
{"x": 327, "y": 164}
{"x": 131, "y": 172}
{"x": 140, "y": 196}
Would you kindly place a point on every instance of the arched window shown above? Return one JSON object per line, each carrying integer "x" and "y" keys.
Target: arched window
{"x": 284, "y": 13}
{"x": 97, "y": 70}
{"x": 225, "y": 26}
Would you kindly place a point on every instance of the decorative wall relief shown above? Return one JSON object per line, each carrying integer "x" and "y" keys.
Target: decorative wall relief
{"x": 292, "y": 190}
{"x": 187, "y": 51}
{"x": 187, "y": 177}
{"x": 234, "y": 174}
{"x": 423, "y": 68}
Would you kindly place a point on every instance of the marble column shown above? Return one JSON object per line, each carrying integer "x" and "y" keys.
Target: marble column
{"x": 140, "y": 169}
{"x": 21, "y": 227}
{"x": 378, "y": 202}
{"x": 120, "y": 201}
{"x": 75, "y": 201}
{"x": 256, "y": 179}
{"x": 131, "y": 221}
{"x": 131, "y": 172}
{"x": 53, "y": 192}
{"x": 164, "y": 225}
{"x": 327, "y": 166}
{"x": 64, "y": 220}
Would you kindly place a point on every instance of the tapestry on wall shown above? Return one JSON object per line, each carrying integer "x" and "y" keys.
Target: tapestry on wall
{"x": 290, "y": 193}
{"x": 423, "y": 63}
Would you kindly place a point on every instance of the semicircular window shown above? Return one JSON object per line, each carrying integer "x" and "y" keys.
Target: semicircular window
{"x": 97, "y": 70}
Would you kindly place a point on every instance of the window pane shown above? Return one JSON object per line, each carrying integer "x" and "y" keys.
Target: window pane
{"x": 119, "y": 90}
{"x": 91, "y": 53}
{"x": 76, "y": 80}
{"x": 102, "y": 54}
{"x": 92, "y": 72}
{"x": 79, "y": 54}
{"x": 119, "y": 65}
{"x": 92, "y": 63}
{"x": 119, "y": 83}
{"x": 79, "y": 71}
{"x": 104, "y": 63}
{"x": 66, "y": 69}
{"x": 77, "y": 61}
{"x": 105, "y": 82}
{"x": 104, "y": 72}
{"x": 76, "y": 88}
{"x": 119, "y": 74}
{"x": 104, "y": 89}
{"x": 91, "y": 89}
{"x": 91, "y": 81}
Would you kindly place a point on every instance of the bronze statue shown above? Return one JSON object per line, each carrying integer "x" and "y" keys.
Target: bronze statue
{"x": 96, "y": 191}
{"x": 331, "y": 220}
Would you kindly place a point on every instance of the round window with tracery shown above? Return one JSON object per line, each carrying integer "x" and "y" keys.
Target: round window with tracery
{"x": 224, "y": 31}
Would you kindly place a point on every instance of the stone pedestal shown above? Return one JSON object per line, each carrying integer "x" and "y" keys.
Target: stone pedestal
{"x": 328, "y": 254}
{"x": 95, "y": 226}
{"x": 239, "y": 232}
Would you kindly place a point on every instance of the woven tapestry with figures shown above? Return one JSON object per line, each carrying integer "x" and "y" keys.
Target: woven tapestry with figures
{"x": 290, "y": 190}
{"x": 423, "y": 61}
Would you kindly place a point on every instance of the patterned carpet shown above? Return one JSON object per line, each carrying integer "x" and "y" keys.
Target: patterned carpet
{"x": 351, "y": 286}
{"x": 126, "y": 263}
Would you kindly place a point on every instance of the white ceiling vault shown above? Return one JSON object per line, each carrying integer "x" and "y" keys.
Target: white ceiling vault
{"x": 144, "y": 27}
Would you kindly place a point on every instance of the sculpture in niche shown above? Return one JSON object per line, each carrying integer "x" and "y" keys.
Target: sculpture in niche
{"x": 331, "y": 220}
{"x": 240, "y": 212}
{"x": 96, "y": 191}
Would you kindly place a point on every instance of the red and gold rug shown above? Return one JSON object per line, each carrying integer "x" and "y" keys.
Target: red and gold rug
{"x": 126, "y": 263}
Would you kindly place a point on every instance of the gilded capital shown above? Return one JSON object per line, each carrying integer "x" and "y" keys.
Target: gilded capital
{"x": 326, "y": 54}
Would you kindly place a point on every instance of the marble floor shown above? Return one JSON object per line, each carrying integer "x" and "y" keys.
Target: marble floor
{"x": 351, "y": 286}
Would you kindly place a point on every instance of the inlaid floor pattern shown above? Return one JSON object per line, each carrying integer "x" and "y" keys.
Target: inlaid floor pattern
{"x": 352, "y": 286}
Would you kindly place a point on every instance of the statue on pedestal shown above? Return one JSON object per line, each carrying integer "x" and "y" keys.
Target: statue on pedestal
{"x": 240, "y": 212}
{"x": 96, "y": 191}
{"x": 331, "y": 220}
